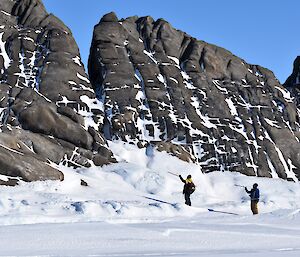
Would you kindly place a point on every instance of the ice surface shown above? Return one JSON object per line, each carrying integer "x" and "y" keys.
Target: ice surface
{"x": 208, "y": 235}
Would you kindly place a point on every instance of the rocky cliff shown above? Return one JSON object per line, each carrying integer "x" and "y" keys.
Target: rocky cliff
{"x": 162, "y": 87}
{"x": 151, "y": 85}
{"x": 293, "y": 81}
{"x": 48, "y": 109}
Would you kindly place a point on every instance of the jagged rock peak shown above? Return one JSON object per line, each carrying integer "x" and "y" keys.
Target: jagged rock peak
{"x": 161, "y": 86}
{"x": 29, "y": 12}
{"x": 48, "y": 109}
{"x": 294, "y": 79}
{"x": 293, "y": 82}
{"x": 109, "y": 17}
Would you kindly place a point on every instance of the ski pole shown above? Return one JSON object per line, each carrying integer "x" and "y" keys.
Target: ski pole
{"x": 173, "y": 173}
{"x": 238, "y": 185}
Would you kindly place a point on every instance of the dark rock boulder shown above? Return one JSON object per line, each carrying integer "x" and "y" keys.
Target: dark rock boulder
{"x": 9, "y": 182}
{"x": 48, "y": 108}
{"x": 83, "y": 183}
{"x": 160, "y": 85}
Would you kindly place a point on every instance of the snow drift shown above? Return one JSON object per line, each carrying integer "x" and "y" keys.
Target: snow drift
{"x": 123, "y": 190}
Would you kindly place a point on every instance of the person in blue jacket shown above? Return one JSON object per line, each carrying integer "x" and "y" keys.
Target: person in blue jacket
{"x": 254, "y": 196}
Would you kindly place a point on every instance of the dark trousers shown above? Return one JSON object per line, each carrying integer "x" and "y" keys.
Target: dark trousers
{"x": 187, "y": 199}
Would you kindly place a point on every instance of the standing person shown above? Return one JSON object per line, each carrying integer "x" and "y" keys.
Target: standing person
{"x": 254, "y": 195}
{"x": 188, "y": 188}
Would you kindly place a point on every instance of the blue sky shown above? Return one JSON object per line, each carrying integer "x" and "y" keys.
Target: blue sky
{"x": 263, "y": 32}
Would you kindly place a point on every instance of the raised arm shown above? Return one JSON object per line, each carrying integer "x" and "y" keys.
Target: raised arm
{"x": 181, "y": 178}
{"x": 248, "y": 191}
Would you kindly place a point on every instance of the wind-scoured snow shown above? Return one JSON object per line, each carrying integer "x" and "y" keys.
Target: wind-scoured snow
{"x": 205, "y": 119}
{"x": 174, "y": 80}
{"x": 286, "y": 94}
{"x": 272, "y": 123}
{"x": 287, "y": 168}
{"x": 146, "y": 119}
{"x": 3, "y": 52}
{"x": 218, "y": 86}
{"x": 77, "y": 60}
{"x": 65, "y": 101}
{"x": 151, "y": 56}
{"x": 6, "y": 13}
{"x": 175, "y": 59}
{"x": 272, "y": 168}
{"x": 83, "y": 78}
{"x": 231, "y": 106}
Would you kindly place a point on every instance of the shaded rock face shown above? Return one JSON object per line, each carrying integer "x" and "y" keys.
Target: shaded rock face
{"x": 293, "y": 81}
{"x": 158, "y": 84}
{"x": 48, "y": 109}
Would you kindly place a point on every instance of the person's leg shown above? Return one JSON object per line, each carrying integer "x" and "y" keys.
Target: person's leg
{"x": 254, "y": 207}
{"x": 251, "y": 206}
{"x": 187, "y": 199}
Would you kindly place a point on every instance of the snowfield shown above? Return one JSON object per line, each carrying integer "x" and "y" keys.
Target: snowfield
{"x": 204, "y": 235}
{"x": 116, "y": 214}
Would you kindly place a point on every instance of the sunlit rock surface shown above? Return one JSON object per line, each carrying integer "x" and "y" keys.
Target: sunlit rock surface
{"x": 48, "y": 109}
{"x": 158, "y": 84}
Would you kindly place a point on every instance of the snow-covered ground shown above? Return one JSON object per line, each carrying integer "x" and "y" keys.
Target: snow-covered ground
{"x": 115, "y": 215}
{"x": 203, "y": 235}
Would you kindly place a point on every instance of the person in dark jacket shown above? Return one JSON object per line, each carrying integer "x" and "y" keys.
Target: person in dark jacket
{"x": 254, "y": 196}
{"x": 188, "y": 189}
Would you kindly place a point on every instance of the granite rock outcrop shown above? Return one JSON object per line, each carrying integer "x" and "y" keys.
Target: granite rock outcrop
{"x": 160, "y": 87}
{"x": 49, "y": 113}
